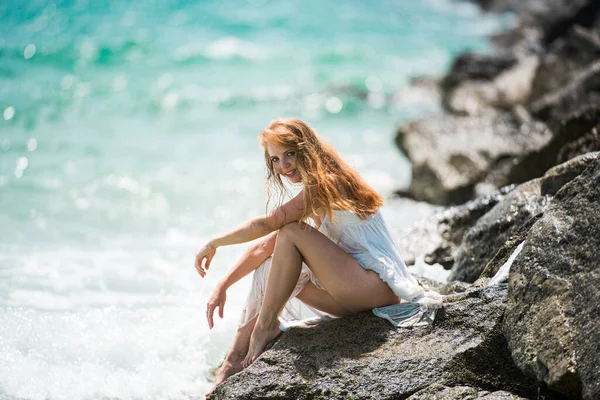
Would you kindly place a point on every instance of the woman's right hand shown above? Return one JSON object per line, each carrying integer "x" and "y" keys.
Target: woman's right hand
{"x": 204, "y": 257}
{"x": 216, "y": 299}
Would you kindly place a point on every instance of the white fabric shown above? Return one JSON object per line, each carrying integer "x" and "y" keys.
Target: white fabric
{"x": 371, "y": 243}
{"x": 502, "y": 274}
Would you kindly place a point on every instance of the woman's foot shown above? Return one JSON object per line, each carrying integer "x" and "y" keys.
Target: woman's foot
{"x": 261, "y": 337}
{"x": 232, "y": 365}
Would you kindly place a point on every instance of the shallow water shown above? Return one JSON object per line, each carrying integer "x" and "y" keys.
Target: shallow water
{"x": 128, "y": 138}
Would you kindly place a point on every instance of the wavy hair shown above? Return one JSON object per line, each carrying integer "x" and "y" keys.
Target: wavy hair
{"x": 321, "y": 169}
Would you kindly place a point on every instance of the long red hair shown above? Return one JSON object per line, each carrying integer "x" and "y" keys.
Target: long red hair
{"x": 321, "y": 170}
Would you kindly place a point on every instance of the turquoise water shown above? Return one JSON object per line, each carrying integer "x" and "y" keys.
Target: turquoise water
{"x": 128, "y": 138}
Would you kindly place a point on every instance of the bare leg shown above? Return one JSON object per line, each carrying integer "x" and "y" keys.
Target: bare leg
{"x": 349, "y": 284}
{"x": 322, "y": 301}
{"x": 233, "y": 360}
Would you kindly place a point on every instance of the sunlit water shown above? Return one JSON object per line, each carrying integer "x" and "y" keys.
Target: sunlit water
{"x": 128, "y": 138}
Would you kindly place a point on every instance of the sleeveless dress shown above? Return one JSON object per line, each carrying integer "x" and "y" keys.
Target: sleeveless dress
{"x": 370, "y": 242}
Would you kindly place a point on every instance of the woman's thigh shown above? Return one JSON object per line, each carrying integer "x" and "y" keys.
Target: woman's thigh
{"x": 321, "y": 300}
{"x": 347, "y": 282}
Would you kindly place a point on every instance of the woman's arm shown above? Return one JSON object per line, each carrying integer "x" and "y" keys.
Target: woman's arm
{"x": 254, "y": 256}
{"x": 253, "y": 229}
{"x": 250, "y": 260}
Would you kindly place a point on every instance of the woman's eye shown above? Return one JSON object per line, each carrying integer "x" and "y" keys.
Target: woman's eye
{"x": 290, "y": 153}
{"x": 274, "y": 160}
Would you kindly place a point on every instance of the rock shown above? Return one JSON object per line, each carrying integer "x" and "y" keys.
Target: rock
{"x": 552, "y": 321}
{"x": 493, "y": 229}
{"x": 573, "y": 115}
{"x": 440, "y": 392}
{"x": 556, "y": 177}
{"x": 504, "y": 253}
{"x": 566, "y": 58}
{"x": 365, "y": 357}
{"x": 587, "y": 143}
{"x": 436, "y": 238}
{"x": 508, "y": 89}
{"x": 552, "y": 18}
{"x": 450, "y": 155}
{"x": 471, "y": 66}
{"x": 444, "y": 288}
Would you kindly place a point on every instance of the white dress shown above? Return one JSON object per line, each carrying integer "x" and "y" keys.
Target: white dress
{"x": 371, "y": 243}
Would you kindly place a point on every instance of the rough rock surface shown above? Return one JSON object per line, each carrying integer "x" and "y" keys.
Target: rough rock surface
{"x": 436, "y": 238}
{"x": 556, "y": 177}
{"x": 365, "y": 357}
{"x": 445, "y": 170}
{"x": 494, "y": 228}
{"x": 440, "y": 392}
{"x": 552, "y": 320}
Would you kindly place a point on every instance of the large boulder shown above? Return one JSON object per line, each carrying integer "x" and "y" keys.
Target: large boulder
{"x": 450, "y": 155}
{"x": 494, "y": 228}
{"x": 552, "y": 181}
{"x": 552, "y": 321}
{"x": 436, "y": 238}
{"x": 365, "y": 357}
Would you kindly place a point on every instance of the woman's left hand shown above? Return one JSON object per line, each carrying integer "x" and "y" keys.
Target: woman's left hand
{"x": 204, "y": 257}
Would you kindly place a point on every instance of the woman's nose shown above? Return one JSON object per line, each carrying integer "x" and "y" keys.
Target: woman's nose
{"x": 286, "y": 163}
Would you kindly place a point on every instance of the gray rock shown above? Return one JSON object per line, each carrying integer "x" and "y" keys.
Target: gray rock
{"x": 504, "y": 253}
{"x": 493, "y": 229}
{"x": 365, "y": 357}
{"x": 552, "y": 18}
{"x": 552, "y": 320}
{"x": 556, "y": 177}
{"x": 473, "y": 66}
{"x": 437, "y": 237}
{"x": 566, "y": 58}
{"x": 450, "y": 155}
{"x": 440, "y": 392}
{"x": 510, "y": 88}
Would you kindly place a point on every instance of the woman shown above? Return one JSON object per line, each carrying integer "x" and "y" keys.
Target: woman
{"x": 346, "y": 263}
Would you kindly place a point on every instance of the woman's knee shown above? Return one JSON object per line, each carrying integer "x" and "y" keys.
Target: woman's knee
{"x": 290, "y": 230}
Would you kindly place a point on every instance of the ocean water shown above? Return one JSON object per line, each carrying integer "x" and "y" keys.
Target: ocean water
{"x": 128, "y": 137}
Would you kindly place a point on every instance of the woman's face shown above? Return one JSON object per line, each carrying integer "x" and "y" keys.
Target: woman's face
{"x": 283, "y": 160}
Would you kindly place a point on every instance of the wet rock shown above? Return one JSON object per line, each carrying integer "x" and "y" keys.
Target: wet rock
{"x": 552, "y": 320}
{"x": 365, "y": 357}
{"x": 555, "y": 178}
{"x": 493, "y": 229}
{"x": 437, "y": 237}
{"x": 450, "y": 155}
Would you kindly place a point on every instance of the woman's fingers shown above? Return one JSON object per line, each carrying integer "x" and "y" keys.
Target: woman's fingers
{"x": 209, "y": 315}
{"x": 221, "y": 309}
{"x": 203, "y": 259}
{"x": 210, "y": 311}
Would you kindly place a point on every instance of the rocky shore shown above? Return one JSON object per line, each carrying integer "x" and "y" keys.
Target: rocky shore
{"x": 515, "y": 157}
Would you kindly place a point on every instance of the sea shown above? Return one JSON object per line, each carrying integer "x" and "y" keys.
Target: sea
{"x": 128, "y": 138}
